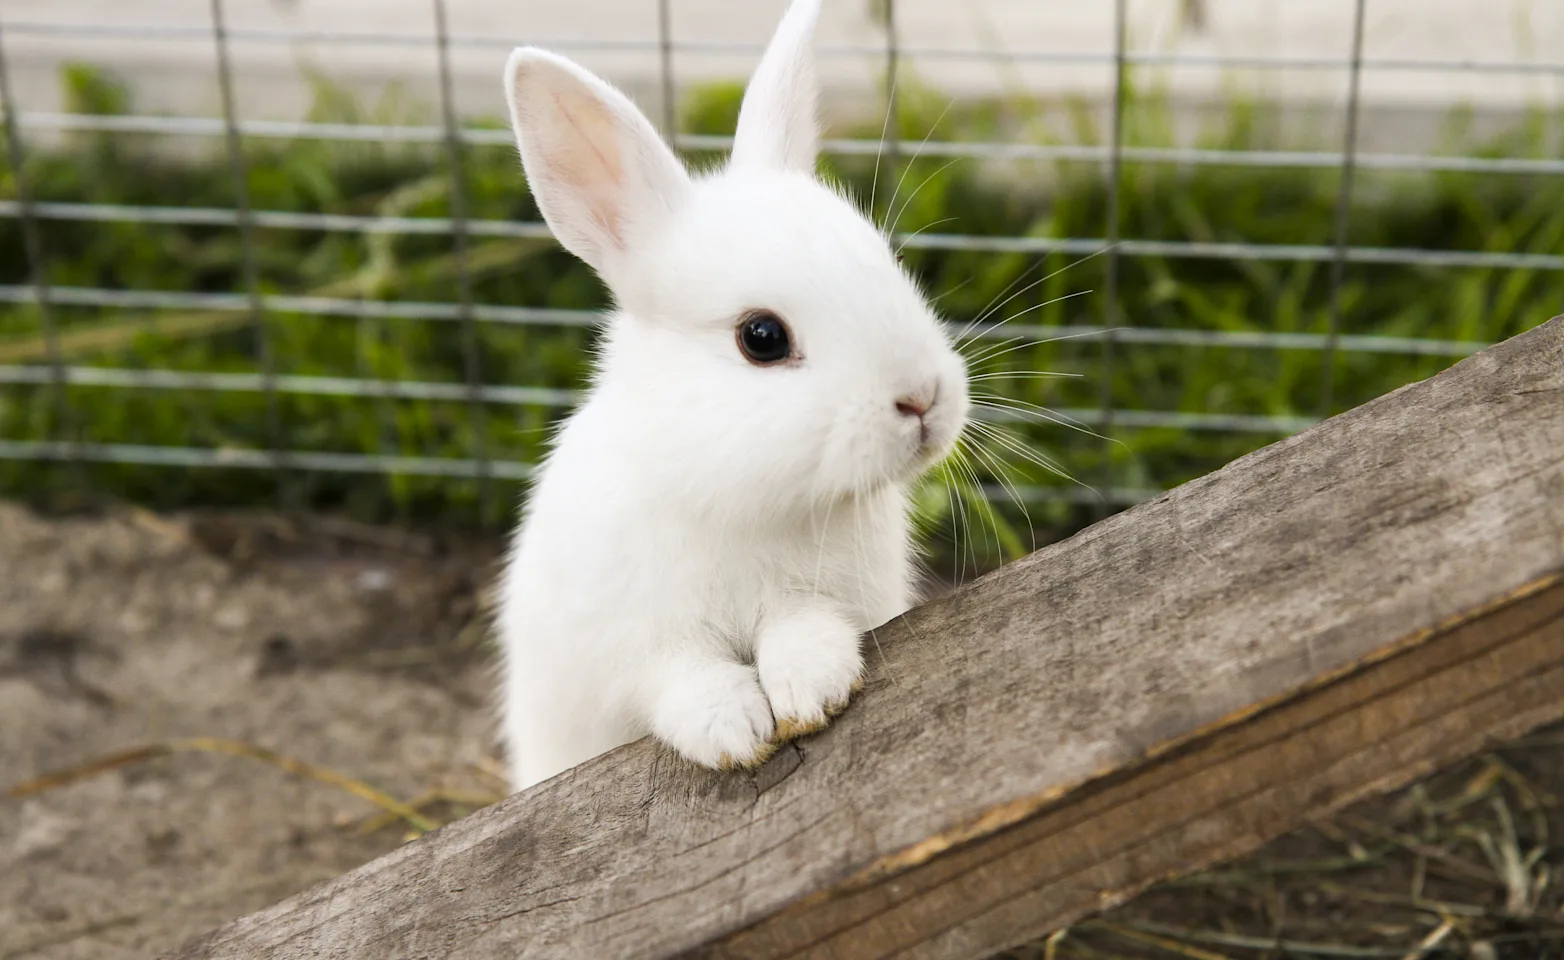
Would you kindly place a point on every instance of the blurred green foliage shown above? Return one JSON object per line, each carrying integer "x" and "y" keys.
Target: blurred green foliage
{"x": 1206, "y": 203}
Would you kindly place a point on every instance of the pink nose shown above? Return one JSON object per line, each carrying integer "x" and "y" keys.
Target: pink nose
{"x": 912, "y": 407}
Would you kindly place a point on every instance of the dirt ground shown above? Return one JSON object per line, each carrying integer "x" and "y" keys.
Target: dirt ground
{"x": 350, "y": 648}
{"x": 192, "y": 664}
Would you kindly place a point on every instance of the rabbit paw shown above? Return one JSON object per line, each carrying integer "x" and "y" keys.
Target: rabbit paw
{"x": 810, "y": 665}
{"x": 714, "y": 713}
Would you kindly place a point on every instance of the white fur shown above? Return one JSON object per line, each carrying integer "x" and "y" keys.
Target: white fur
{"x": 709, "y": 539}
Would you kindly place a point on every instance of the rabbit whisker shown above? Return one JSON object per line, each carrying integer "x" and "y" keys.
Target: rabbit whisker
{"x": 993, "y": 307}
{"x": 914, "y": 194}
{"x": 997, "y": 468}
{"x": 825, "y": 529}
{"x": 903, "y": 245}
{"x": 908, "y": 167}
{"x": 958, "y": 519}
{"x": 996, "y": 352}
{"x": 1019, "y": 375}
{"x": 980, "y": 331}
{"x": 941, "y": 296}
{"x": 989, "y": 306}
{"x": 957, "y": 501}
{"x": 1017, "y": 446}
{"x": 1024, "y": 409}
{"x": 879, "y": 150}
{"x": 1016, "y": 403}
{"x": 1008, "y": 441}
{"x": 860, "y": 554}
{"x": 979, "y": 501}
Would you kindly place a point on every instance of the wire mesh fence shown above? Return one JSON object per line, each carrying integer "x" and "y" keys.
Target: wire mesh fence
{"x": 290, "y": 305}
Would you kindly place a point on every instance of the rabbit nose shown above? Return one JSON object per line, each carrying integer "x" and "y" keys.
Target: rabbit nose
{"x": 917, "y": 404}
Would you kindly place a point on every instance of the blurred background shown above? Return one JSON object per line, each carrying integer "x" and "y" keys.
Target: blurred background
{"x": 280, "y": 252}
{"x": 282, "y": 335}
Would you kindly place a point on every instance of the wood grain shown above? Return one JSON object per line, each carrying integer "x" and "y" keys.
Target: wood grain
{"x": 1329, "y": 617}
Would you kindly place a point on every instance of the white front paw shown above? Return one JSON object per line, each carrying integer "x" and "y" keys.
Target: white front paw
{"x": 810, "y": 664}
{"x": 714, "y": 713}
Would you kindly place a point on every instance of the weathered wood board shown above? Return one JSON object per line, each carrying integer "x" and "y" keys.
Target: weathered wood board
{"x": 1329, "y": 617}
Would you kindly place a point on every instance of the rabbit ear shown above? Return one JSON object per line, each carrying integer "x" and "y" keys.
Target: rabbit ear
{"x": 599, "y": 172}
{"x": 777, "y": 126}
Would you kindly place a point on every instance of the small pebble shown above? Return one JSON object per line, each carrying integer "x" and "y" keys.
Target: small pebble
{"x": 375, "y": 580}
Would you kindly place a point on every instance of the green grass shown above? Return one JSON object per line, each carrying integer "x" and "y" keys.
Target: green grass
{"x": 1158, "y": 202}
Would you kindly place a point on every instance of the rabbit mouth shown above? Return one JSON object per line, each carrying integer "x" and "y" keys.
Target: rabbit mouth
{"x": 932, "y": 447}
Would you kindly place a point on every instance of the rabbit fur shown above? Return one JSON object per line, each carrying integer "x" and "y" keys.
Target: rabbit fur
{"x": 709, "y": 537}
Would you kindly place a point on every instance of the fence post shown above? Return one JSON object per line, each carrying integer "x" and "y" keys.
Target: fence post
{"x": 250, "y": 262}
{"x": 472, "y": 360}
{"x": 1110, "y": 320}
{"x": 1343, "y": 214}
{"x": 38, "y": 267}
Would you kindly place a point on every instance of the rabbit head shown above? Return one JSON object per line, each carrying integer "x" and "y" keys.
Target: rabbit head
{"x": 770, "y": 343}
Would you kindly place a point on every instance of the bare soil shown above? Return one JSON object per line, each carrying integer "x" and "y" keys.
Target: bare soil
{"x": 243, "y": 696}
{"x": 357, "y": 650}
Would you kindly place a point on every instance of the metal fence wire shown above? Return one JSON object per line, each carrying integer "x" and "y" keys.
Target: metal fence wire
{"x": 261, "y": 307}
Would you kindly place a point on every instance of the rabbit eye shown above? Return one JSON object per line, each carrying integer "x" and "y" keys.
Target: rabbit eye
{"x": 763, "y": 338}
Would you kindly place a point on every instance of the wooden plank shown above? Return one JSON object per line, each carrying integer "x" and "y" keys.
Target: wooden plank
{"x": 1326, "y": 618}
{"x": 1216, "y": 799}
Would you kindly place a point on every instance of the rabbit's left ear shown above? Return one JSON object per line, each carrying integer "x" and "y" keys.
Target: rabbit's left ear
{"x": 602, "y": 178}
{"x": 777, "y": 126}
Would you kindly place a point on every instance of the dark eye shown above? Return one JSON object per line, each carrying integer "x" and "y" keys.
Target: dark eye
{"x": 763, "y": 338}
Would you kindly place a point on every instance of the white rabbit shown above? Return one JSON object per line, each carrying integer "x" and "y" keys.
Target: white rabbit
{"x": 726, "y": 513}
